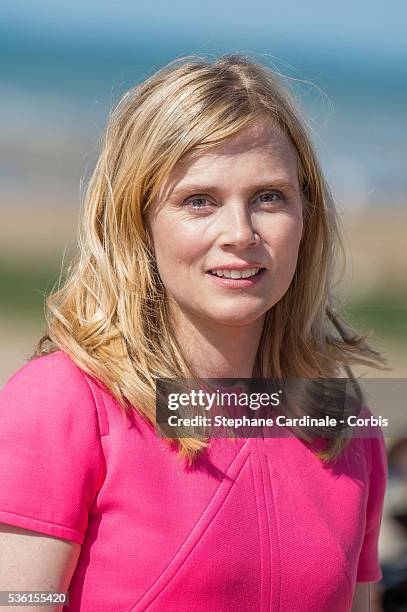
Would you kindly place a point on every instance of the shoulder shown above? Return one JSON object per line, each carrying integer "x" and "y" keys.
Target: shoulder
{"x": 50, "y": 448}
{"x": 50, "y": 387}
{"x": 52, "y": 370}
{"x": 377, "y": 475}
{"x": 374, "y": 447}
{"x": 378, "y": 464}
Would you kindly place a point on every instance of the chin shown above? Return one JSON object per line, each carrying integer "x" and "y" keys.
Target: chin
{"x": 235, "y": 319}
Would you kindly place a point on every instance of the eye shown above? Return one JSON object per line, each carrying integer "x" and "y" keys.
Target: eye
{"x": 196, "y": 202}
{"x": 270, "y": 196}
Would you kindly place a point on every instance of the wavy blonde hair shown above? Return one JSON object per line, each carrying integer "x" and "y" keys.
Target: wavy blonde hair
{"x": 111, "y": 313}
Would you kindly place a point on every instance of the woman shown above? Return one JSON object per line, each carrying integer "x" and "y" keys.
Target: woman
{"x": 205, "y": 168}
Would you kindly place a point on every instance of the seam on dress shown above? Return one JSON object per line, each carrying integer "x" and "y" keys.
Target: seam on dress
{"x": 97, "y": 405}
{"x": 195, "y": 528}
{"x": 278, "y": 539}
{"x": 103, "y": 466}
{"x": 368, "y": 575}
{"x": 272, "y": 560}
{"x": 262, "y": 552}
{"x": 37, "y": 520}
{"x": 365, "y": 575}
{"x": 341, "y": 551}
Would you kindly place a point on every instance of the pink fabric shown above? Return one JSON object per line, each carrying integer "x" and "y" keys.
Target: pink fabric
{"x": 258, "y": 524}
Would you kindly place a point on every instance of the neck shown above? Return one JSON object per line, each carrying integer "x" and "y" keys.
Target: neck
{"x": 216, "y": 350}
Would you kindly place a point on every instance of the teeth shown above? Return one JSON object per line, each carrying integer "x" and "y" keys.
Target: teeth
{"x": 236, "y": 273}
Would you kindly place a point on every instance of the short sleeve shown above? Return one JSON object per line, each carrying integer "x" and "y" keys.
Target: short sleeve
{"x": 369, "y": 566}
{"x": 51, "y": 457}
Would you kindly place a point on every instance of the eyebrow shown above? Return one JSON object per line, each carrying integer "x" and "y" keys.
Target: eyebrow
{"x": 283, "y": 184}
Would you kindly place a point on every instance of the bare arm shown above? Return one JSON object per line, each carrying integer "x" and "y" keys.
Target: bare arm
{"x": 32, "y": 561}
{"x": 361, "y": 597}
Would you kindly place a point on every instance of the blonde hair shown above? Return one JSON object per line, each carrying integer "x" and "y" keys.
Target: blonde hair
{"x": 111, "y": 314}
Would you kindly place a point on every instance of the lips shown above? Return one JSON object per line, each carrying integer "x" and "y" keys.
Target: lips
{"x": 237, "y": 283}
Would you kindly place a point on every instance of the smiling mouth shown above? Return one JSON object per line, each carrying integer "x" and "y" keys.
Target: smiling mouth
{"x": 236, "y": 274}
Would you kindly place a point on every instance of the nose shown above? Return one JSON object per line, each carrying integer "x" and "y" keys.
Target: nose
{"x": 238, "y": 230}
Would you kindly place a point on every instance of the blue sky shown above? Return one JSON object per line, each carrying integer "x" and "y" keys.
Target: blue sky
{"x": 375, "y": 29}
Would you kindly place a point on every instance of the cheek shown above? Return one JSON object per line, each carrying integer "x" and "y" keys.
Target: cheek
{"x": 177, "y": 247}
{"x": 284, "y": 247}
{"x": 284, "y": 240}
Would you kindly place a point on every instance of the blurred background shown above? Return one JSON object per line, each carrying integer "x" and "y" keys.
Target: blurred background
{"x": 64, "y": 65}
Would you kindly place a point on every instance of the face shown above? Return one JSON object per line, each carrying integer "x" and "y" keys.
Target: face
{"x": 237, "y": 206}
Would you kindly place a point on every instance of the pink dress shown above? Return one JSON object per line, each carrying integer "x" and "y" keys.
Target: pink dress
{"x": 257, "y": 524}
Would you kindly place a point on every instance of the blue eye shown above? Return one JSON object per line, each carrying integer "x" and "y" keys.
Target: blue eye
{"x": 197, "y": 200}
{"x": 270, "y": 196}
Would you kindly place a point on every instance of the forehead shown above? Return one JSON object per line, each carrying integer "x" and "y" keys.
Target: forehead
{"x": 260, "y": 134}
{"x": 259, "y": 146}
